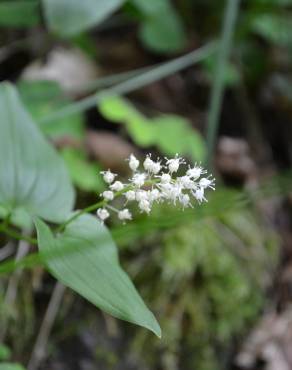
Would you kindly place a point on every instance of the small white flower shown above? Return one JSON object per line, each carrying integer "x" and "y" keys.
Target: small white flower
{"x": 151, "y": 166}
{"x": 154, "y": 195}
{"x": 130, "y": 195}
{"x": 170, "y": 191}
{"x": 186, "y": 182}
{"x": 174, "y": 163}
{"x": 165, "y": 188}
{"x": 174, "y": 193}
{"x": 102, "y": 214}
{"x": 144, "y": 205}
{"x": 148, "y": 163}
{"x": 125, "y": 214}
{"x": 185, "y": 200}
{"x": 165, "y": 178}
{"x": 141, "y": 195}
{"x": 206, "y": 183}
{"x": 133, "y": 162}
{"x": 199, "y": 195}
{"x": 117, "y": 186}
{"x": 139, "y": 179}
{"x": 156, "y": 167}
{"x": 108, "y": 195}
{"x": 108, "y": 176}
{"x": 195, "y": 172}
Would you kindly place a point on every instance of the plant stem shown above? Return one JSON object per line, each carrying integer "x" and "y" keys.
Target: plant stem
{"x": 110, "y": 80}
{"x": 39, "y": 350}
{"x": 230, "y": 15}
{"x": 16, "y": 235}
{"x": 88, "y": 209}
{"x": 99, "y": 204}
{"x": 154, "y": 74}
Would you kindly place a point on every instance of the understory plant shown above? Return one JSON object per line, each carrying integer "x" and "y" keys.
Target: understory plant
{"x": 76, "y": 246}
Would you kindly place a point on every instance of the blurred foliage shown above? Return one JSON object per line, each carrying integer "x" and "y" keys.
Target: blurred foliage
{"x": 275, "y": 28}
{"x": 84, "y": 174}
{"x": 161, "y": 28}
{"x": 44, "y": 97}
{"x": 70, "y": 17}
{"x": 231, "y": 73}
{"x": 10, "y": 366}
{"x": 19, "y": 13}
{"x": 205, "y": 271}
{"x": 171, "y": 134}
{"x": 5, "y": 352}
{"x": 206, "y": 279}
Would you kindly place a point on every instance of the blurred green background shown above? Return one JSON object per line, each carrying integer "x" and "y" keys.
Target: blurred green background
{"x": 211, "y": 80}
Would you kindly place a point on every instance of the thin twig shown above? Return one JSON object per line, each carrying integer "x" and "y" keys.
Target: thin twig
{"x": 16, "y": 235}
{"x": 39, "y": 350}
{"x": 110, "y": 80}
{"x": 154, "y": 74}
{"x": 230, "y": 16}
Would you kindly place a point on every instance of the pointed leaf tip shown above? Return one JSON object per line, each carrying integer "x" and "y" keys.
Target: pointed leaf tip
{"x": 85, "y": 259}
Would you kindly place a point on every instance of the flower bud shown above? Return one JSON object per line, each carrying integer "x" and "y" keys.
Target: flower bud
{"x": 133, "y": 162}
{"x": 125, "y": 214}
{"x": 102, "y": 214}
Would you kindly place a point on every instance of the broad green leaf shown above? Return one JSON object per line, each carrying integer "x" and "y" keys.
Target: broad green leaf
{"x": 19, "y": 13}
{"x": 70, "y": 17}
{"x": 44, "y": 97}
{"x": 162, "y": 29}
{"x": 85, "y": 259}
{"x": 170, "y": 133}
{"x": 33, "y": 177}
{"x": 10, "y": 366}
{"x": 85, "y": 175}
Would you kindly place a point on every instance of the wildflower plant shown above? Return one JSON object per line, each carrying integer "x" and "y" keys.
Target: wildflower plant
{"x": 37, "y": 196}
{"x": 155, "y": 182}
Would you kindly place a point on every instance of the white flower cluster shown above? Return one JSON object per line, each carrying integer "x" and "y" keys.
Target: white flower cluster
{"x": 156, "y": 183}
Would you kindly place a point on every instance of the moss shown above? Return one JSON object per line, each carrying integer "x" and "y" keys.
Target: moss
{"x": 206, "y": 281}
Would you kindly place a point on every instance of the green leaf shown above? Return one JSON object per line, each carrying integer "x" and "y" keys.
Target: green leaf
{"x": 275, "y": 28}
{"x": 274, "y": 2}
{"x": 44, "y": 97}
{"x": 70, "y": 17}
{"x": 85, "y": 259}
{"x": 5, "y": 352}
{"x": 119, "y": 110}
{"x": 19, "y": 13}
{"x": 231, "y": 72}
{"x": 163, "y": 33}
{"x": 33, "y": 177}
{"x": 174, "y": 134}
{"x": 162, "y": 29}
{"x": 84, "y": 174}
{"x": 170, "y": 133}
{"x": 10, "y": 366}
